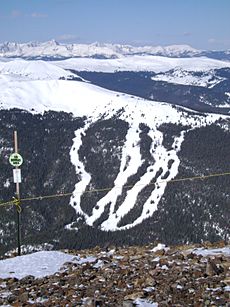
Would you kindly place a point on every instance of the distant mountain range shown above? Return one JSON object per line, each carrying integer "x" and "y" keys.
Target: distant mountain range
{"x": 53, "y": 49}
{"x": 198, "y": 83}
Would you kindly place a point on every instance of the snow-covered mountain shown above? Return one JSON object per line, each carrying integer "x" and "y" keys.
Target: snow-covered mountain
{"x": 155, "y": 64}
{"x": 186, "y": 71}
{"x": 55, "y": 49}
{"x": 114, "y": 154}
{"x": 124, "y": 150}
{"x": 202, "y": 83}
{"x": 140, "y": 121}
{"x": 52, "y": 49}
{"x": 32, "y": 70}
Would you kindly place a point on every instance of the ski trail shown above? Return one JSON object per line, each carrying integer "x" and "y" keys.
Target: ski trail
{"x": 130, "y": 161}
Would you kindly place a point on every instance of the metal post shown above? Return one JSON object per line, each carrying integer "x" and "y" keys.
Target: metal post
{"x": 18, "y": 197}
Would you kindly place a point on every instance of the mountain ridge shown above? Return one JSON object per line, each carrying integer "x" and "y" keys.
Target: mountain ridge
{"x": 53, "y": 49}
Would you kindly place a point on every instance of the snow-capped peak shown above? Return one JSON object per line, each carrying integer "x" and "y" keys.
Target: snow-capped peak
{"x": 54, "y": 49}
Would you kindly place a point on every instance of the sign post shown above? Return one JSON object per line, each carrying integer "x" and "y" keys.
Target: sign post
{"x": 16, "y": 161}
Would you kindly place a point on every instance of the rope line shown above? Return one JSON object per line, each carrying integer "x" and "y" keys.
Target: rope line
{"x": 17, "y": 202}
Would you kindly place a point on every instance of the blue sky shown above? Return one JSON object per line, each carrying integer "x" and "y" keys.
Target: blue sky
{"x": 203, "y": 24}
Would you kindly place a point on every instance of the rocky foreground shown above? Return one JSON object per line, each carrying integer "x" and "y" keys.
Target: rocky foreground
{"x": 130, "y": 276}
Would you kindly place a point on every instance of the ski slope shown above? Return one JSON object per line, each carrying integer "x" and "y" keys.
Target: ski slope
{"x": 95, "y": 103}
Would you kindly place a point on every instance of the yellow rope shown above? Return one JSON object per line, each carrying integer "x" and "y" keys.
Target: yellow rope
{"x": 17, "y": 202}
{"x": 46, "y": 196}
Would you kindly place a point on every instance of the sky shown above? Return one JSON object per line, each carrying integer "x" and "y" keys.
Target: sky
{"x": 202, "y": 24}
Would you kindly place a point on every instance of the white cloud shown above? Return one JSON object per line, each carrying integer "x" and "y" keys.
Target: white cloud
{"x": 66, "y": 37}
{"x": 38, "y": 15}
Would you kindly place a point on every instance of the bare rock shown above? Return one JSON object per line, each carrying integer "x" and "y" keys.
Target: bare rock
{"x": 23, "y": 298}
{"x": 211, "y": 268}
{"x": 27, "y": 279}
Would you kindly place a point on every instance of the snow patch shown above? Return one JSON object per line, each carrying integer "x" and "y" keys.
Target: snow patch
{"x": 184, "y": 77}
{"x": 7, "y": 183}
{"x": 40, "y": 264}
{"x": 145, "y": 303}
{"x": 211, "y": 252}
{"x": 159, "y": 247}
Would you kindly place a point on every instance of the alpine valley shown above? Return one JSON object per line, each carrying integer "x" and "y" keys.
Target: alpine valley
{"x": 110, "y": 135}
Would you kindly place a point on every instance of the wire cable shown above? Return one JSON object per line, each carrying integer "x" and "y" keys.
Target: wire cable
{"x": 106, "y": 189}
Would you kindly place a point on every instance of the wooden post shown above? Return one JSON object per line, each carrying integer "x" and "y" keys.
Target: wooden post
{"x": 18, "y": 197}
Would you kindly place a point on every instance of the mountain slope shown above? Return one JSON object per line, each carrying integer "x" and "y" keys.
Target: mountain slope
{"x": 116, "y": 154}
{"x": 201, "y": 84}
{"x": 33, "y": 70}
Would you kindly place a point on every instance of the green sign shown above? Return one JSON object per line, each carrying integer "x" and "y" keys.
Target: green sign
{"x": 16, "y": 159}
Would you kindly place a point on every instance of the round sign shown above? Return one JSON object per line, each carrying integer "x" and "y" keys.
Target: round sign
{"x": 16, "y": 159}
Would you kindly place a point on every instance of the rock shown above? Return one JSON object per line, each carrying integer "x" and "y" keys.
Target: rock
{"x": 211, "y": 268}
{"x": 197, "y": 273}
{"x": 160, "y": 252}
{"x": 89, "y": 302}
{"x": 207, "y": 244}
{"x": 163, "y": 261}
{"x": 226, "y": 281}
{"x": 10, "y": 281}
{"x": 98, "y": 303}
{"x": 220, "y": 244}
{"x": 191, "y": 256}
{"x": 11, "y": 298}
{"x": 128, "y": 303}
{"x": 149, "y": 281}
{"x": 133, "y": 296}
{"x": 27, "y": 279}
{"x": 23, "y": 298}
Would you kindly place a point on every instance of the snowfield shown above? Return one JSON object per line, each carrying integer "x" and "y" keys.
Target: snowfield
{"x": 156, "y": 64}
